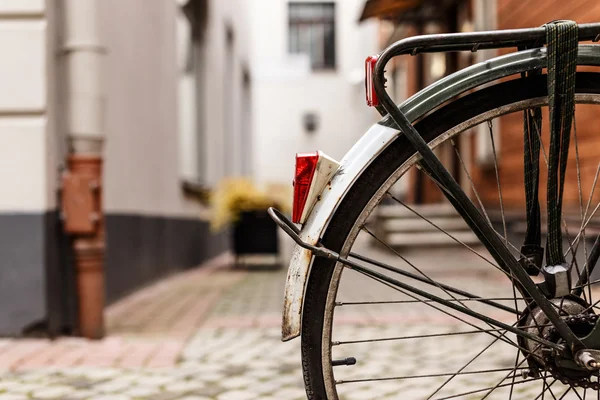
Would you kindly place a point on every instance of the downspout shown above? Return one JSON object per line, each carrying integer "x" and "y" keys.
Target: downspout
{"x": 82, "y": 183}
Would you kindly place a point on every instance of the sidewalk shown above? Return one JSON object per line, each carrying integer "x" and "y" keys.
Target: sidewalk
{"x": 146, "y": 329}
{"x": 210, "y": 333}
{"x": 213, "y": 333}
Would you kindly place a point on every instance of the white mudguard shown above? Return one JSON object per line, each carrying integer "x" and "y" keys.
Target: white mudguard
{"x": 357, "y": 159}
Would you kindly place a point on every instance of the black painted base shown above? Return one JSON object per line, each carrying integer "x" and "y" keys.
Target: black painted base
{"x": 37, "y": 279}
{"x": 141, "y": 249}
{"x": 23, "y": 259}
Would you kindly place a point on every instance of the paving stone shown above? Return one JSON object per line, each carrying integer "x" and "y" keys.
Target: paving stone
{"x": 141, "y": 391}
{"x": 155, "y": 380}
{"x": 7, "y": 396}
{"x": 268, "y": 387}
{"x": 164, "y": 396}
{"x": 101, "y": 374}
{"x": 111, "y": 397}
{"x": 52, "y": 392}
{"x": 290, "y": 393}
{"x": 209, "y": 391}
{"x": 25, "y": 388}
{"x": 81, "y": 394}
{"x": 184, "y": 386}
{"x": 211, "y": 376}
{"x": 194, "y": 398}
{"x": 8, "y": 385}
{"x": 238, "y": 382}
{"x": 237, "y": 395}
{"x": 79, "y": 382}
{"x": 113, "y": 386}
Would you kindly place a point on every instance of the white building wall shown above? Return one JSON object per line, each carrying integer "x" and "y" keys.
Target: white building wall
{"x": 152, "y": 126}
{"x": 141, "y": 151}
{"x": 285, "y": 88}
{"x": 26, "y": 168}
{"x": 27, "y": 161}
{"x": 221, "y": 153}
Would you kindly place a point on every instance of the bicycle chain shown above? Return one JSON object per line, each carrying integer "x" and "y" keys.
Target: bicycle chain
{"x": 550, "y": 366}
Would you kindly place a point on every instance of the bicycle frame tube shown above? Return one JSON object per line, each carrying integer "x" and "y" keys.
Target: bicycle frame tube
{"x": 433, "y": 166}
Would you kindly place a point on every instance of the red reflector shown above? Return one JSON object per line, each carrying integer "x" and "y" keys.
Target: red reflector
{"x": 306, "y": 165}
{"x": 372, "y": 99}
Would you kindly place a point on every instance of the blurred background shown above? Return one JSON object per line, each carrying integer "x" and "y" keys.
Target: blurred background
{"x": 171, "y": 98}
{"x": 142, "y": 138}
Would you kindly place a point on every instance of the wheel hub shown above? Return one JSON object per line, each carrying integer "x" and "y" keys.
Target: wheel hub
{"x": 582, "y": 321}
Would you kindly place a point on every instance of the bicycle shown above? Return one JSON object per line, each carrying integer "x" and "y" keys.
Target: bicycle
{"x": 544, "y": 316}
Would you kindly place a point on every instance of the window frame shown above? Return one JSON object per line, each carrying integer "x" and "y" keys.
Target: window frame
{"x": 323, "y": 21}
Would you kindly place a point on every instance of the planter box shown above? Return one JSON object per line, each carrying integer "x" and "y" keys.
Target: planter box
{"x": 255, "y": 234}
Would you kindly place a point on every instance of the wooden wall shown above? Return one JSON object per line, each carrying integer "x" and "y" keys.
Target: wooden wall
{"x": 521, "y": 14}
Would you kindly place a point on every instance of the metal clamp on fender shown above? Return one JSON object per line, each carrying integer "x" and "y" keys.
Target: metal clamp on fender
{"x": 293, "y": 232}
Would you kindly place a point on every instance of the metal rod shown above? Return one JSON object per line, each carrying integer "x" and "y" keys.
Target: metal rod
{"x": 446, "y": 42}
{"x": 441, "y": 285}
{"x": 449, "y": 304}
{"x": 292, "y": 231}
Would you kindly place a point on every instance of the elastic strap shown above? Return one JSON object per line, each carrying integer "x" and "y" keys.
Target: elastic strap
{"x": 532, "y": 251}
{"x": 562, "y": 39}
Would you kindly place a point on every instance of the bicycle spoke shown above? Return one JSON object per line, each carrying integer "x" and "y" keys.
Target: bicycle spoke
{"x": 589, "y": 266}
{"x": 574, "y": 262}
{"x": 448, "y": 290}
{"x": 490, "y": 128}
{"x": 447, "y": 233}
{"x": 361, "y": 303}
{"x": 564, "y": 394}
{"x": 488, "y": 388}
{"x": 591, "y": 306}
{"x": 439, "y": 184}
{"x": 393, "y": 378}
{"x": 589, "y": 203}
{"x": 580, "y": 191}
{"x": 428, "y": 281}
{"x": 595, "y": 249}
{"x": 513, "y": 377}
{"x": 506, "y": 377}
{"x": 400, "y": 285}
{"x": 466, "y": 365}
{"x": 475, "y": 191}
{"x": 405, "y": 292}
{"x": 545, "y": 386}
{"x": 432, "y": 335}
{"x": 578, "y": 237}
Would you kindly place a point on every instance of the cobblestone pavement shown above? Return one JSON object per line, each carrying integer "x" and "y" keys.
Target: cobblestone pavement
{"x": 213, "y": 334}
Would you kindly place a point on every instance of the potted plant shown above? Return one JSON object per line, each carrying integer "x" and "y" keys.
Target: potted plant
{"x": 238, "y": 203}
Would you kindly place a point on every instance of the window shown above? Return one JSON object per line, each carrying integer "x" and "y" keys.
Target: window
{"x": 312, "y": 32}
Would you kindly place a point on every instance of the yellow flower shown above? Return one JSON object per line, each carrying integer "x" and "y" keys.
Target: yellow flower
{"x": 236, "y": 195}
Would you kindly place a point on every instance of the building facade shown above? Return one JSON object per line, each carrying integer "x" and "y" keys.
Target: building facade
{"x": 402, "y": 19}
{"x": 308, "y": 81}
{"x": 152, "y": 92}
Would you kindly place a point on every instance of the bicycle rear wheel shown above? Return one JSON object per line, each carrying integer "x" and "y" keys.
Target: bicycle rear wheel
{"x": 419, "y": 366}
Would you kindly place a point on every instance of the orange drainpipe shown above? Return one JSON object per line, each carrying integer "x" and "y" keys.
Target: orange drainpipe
{"x": 83, "y": 219}
{"x": 81, "y": 196}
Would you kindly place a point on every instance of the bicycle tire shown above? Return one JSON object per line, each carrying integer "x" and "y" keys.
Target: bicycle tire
{"x": 370, "y": 181}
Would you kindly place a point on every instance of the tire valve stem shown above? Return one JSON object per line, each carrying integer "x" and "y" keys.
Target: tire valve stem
{"x": 344, "y": 361}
